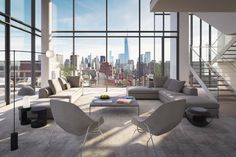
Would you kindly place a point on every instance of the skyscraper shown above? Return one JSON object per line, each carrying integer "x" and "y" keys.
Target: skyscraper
{"x": 147, "y": 57}
{"x": 126, "y": 49}
{"x": 122, "y": 58}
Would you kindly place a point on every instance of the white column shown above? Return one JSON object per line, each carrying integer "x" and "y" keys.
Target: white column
{"x": 46, "y": 38}
{"x": 183, "y": 47}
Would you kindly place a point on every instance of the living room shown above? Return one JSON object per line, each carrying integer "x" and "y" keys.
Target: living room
{"x": 117, "y": 78}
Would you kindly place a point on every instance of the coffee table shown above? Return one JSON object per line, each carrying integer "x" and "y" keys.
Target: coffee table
{"x": 112, "y": 102}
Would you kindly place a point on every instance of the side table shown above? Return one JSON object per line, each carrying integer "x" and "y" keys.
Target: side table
{"x": 24, "y": 120}
{"x": 41, "y": 119}
{"x": 198, "y": 116}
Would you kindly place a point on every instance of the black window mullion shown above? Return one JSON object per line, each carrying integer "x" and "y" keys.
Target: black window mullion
{"x": 7, "y": 53}
{"x": 33, "y": 12}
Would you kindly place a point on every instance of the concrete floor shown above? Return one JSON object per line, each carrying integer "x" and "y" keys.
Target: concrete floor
{"x": 216, "y": 140}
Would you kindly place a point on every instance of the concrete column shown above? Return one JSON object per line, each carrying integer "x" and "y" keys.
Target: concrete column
{"x": 46, "y": 38}
{"x": 183, "y": 47}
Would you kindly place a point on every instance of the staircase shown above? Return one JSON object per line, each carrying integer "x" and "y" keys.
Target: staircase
{"x": 230, "y": 54}
{"x": 217, "y": 85}
{"x": 224, "y": 48}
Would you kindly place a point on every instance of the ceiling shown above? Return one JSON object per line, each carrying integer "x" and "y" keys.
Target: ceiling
{"x": 224, "y": 22}
{"x": 193, "y": 5}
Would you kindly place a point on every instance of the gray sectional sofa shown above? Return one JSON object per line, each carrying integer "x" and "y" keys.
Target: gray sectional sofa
{"x": 170, "y": 90}
{"x": 65, "y": 89}
{"x": 69, "y": 88}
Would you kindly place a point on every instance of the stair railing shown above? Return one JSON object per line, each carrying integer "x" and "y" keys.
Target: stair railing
{"x": 202, "y": 84}
{"x": 223, "y": 59}
{"x": 211, "y": 70}
{"x": 219, "y": 49}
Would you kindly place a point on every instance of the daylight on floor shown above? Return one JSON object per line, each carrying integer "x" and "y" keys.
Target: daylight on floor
{"x": 117, "y": 78}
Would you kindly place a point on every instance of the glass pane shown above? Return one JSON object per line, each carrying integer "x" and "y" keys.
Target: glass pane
{"x": 90, "y": 15}
{"x": 205, "y": 41}
{"x": 21, "y": 10}
{"x": 121, "y": 13}
{"x": 2, "y": 64}
{"x": 2, "y": 5}
{"x": 20, "y": 41}
{"x": 38, "y": 14}
{"x": 123, "y": 56}
{"x": 147, "y": 57}
{"x": 62, "y": 14}
{"x": 196, "y": 31}
{"x": 159, "y": 22}
{"x": 92, "y": 61}
{"x": 158, "y": 57}
{"x": 167, "y": 58}
{"x": 147, "y": 22}
{"x": 167, "y": 23}
{"x": 63, "y": 51}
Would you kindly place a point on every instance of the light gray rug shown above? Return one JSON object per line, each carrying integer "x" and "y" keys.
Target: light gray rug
{"x": 216, "y": 140}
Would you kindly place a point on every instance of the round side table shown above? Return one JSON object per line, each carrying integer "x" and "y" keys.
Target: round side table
{"x": 198, "y": 116}
{"x": 41, "y": 119}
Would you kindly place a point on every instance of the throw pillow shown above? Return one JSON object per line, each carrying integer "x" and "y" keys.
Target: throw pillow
{"x": 62, "y": 82}
{"x": 74, "y": 81}
{"x": 159, "y": 81}
{"x": 150, "y": 83}
{"x": 166, "y": 83}
{"x": 175, "y": 85}
{"x": 55, "y": 86}
{"x": 67, "y": 86}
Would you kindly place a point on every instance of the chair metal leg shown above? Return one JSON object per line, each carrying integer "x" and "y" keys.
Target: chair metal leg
{"x": 135, "y": 131}
{"x": 153, "y": 145}
{"x": 101, "y": 133}
{"x": 148, "y": 141}
{"x": 85, "y": 138}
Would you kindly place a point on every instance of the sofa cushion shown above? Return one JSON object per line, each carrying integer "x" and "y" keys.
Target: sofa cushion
{"x": 143, "y": 90}
{"x": 55, "y": 86}
{"x": 175, "y": 85}
{"x": 190, "y": 91}
{"x": 71, "y": 94}
{"x": 160, "y": 81}
{"x": 169, "y": 95}
{"x": 62, "y": 82}
{"x": 199, "y": 101}
{"x": 74, "y": 81}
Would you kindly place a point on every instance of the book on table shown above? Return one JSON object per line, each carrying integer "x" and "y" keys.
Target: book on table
{"x": 123, "y": 101}
{"x": 103, "y": 101}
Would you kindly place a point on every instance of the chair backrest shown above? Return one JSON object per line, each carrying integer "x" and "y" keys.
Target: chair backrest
{"x": 166, "y": 117}
{"x": 70, "y": 117}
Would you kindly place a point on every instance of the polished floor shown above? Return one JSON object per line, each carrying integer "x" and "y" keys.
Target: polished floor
{"x": 216, "y": 140}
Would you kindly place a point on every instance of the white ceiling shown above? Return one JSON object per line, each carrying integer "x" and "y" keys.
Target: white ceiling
{"x": 193, "y": 5}
{"x": 224, "y": 22}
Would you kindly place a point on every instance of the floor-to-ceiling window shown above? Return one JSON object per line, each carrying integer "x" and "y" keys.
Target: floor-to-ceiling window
{"x": 20, "y": 46}
{"x": 116, "y": 43}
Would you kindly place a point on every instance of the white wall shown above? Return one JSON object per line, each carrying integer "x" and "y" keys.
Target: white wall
{"x": 183, "y": 48}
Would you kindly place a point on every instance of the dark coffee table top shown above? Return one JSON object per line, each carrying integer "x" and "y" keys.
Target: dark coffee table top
{"x": 112, "y": 102}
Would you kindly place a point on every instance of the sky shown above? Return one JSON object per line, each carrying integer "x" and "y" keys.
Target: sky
{"x": 90, "y": 15}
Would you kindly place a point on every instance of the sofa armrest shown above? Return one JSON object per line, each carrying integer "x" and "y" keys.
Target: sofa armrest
{"x": 190, "y": 91}
{"x": 45, "y": 92}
